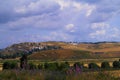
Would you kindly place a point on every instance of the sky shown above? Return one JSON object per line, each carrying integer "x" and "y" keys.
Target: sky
{"x": 59, "y": 20}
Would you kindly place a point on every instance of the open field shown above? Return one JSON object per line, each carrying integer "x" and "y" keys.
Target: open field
{"x": 17, "y": 74}
{"x": 48, "y": 75}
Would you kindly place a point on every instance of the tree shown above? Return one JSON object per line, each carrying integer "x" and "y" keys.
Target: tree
{"x": 6, "y": 65}
{"x": 13, "y": 65}
{"x": 78, "y": 64}
{"x": 10, "y": 65}
{"x": 32, "y": 66}
{"x": 23, "y": 61}
{"x": 93, "y": 66}
{"x": 64, "y": 66}
{"x": 51, "y": 66}
{"x": 40, "y": 66}
{"x": 105, "y": 65}
{"x": 116, "y": 64}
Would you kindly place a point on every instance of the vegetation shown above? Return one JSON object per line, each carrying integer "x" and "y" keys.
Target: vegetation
{"x": 83, "y": 50}
{"x": 10, "y": 65}
{"x": 23, "y": 62}
{"x": 54, "y": 75}
{"x": 56, "y": 70}
{"x": 93, "y": 66}
{"x": 116, "y": 64}
{"x": 105, "y": 65}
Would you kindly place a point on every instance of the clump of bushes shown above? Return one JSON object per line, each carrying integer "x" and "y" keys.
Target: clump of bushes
{"x": 10, "y": 65}
{"x": 56, "y": 66}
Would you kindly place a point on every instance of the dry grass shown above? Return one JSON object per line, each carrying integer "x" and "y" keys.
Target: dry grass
{"x": 45, "y": 75}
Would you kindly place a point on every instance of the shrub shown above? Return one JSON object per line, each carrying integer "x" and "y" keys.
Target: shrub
{"x": 105, "y": 65}
{"x": 32, "y": 66}
{"x": 78, "y": 64}
{"x": 10, "y": 65}
{"x": 64, "y": 66}
{"x": 116, "y": 64}
{"x": 13, "y": 65}
{"x": 51, "y": 66}
{"x": 40, "y": 66}
{"x": 93, "y": 66}
{"x": 46, "y": 65}
{"x": 6, "y": 65}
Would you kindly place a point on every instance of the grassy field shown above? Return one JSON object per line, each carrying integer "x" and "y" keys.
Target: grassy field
{"x": 48, "y": 75}
{"x": 18, "y": 74}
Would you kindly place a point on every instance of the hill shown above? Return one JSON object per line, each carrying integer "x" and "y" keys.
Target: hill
{"x": 58, "y": 50}
{"x": 61, "y": 54}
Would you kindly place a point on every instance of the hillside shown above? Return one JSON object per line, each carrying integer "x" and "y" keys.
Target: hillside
{"x": 62, "y": 54}
{"x": 58, "y": 50}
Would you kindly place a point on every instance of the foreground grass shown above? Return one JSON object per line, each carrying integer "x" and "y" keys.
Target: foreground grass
{"x": 53, "y": 75}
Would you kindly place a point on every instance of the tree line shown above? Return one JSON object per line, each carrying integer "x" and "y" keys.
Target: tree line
{"x": 64, "y": 66}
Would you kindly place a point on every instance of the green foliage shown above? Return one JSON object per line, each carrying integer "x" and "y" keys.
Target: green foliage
{"x": 32, "y": 66}
{"x": 10, "y": 65}
{"x": 51, "y": 66}
{"x": 116, "y": 64}
{"x": 46, "y": 65}
{"x": 78, "y": 64}
{"x": 64, "y": 66}
{"x": 93, "y": 66}
{"x": 40, "y": 66}
{"x": 6, "y": 65}
{"x": 105, "y": 65}
{"x": 23, "y": 62}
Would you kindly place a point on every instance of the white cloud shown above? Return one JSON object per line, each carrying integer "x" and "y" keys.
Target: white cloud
{"x": 99, "y": 25}
{"x": 70, "y": 27}
{"x": 98, "y": 33}
{"x": 103, "y": 31}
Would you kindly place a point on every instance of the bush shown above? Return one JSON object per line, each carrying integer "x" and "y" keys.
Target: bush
{"x": 10, "y": 65}
{"x": 6, "y": 65}
{"x": 51, "y": 66}
{"x": 93, "y": 66}
{"x": 64, "y": 66}
{"x": 46, "y": 65}
{"x": 78, "y": 64}
{"x": 40, "y": 66}
{"x": 105, "y": 65}
{"x": 14, "y": 65}
{"x": 116, "y": 64}
{"x": 32, "y": 66}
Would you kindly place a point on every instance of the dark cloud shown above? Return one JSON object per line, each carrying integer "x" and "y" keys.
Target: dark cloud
{"x": 13, "y": 10}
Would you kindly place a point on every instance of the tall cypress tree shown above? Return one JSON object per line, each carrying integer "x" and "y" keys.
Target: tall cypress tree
{"x": 23, "y": 61}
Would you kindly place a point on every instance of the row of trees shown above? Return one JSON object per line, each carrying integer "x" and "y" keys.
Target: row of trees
{"x": 57, "y": 66}
{"x": 60, "y": 66}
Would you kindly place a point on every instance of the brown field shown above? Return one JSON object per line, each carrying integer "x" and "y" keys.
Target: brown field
{"x": 101, "y": 50}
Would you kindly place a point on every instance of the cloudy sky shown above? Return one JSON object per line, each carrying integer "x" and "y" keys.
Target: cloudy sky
{"x": 59, "y": 20}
